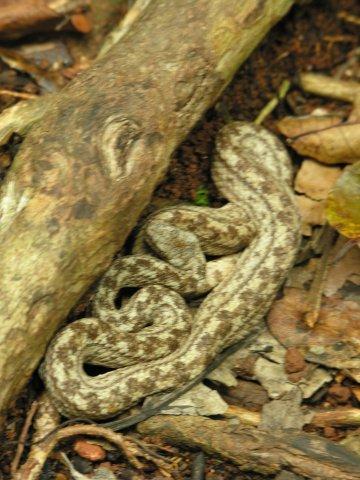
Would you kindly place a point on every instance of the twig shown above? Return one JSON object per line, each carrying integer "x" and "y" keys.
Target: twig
{"x": 258, "y": 450}
{"x": 144, "y": 446}
{"x": 274, "y": 102}
{"x": 40, "y": 452}
{"x": 133, "y": 15}
{"x": 348, "y": 245}
{"x": 348, "y": 17}
{"x": 317, "y": 286}
{"x": 23, "y": 436}
{"x": 339, "y": 417}
{"x": 34, "y": 464}
{"x": 198, "y": 467}
{"x": 154, "y": 457}
{"x": 352, "y": 60}
{"x": 23, "y": 95}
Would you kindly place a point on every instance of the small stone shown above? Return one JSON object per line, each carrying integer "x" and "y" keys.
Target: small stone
{"x": 339, "y": 393}
{"x": 81, "y": 22}
{"x": 294, "y": 361}
{"x": 329, "y": 432}
{"x": 90, "y": 451}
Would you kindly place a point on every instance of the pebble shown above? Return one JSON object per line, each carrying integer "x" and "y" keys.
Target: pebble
{"x": 90, "y": 451}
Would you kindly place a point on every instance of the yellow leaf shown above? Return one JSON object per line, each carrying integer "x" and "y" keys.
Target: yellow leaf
{"x": 343, "y": 204}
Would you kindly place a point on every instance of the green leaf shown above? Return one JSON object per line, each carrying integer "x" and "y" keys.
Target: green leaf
{"x": 202, "y": 197}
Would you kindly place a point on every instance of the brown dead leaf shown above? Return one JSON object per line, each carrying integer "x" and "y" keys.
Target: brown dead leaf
{"x": 293, "y": 127}
{"x": 301, "y": 275}
{"x": 337, "y": 144}
{"x": 323, "y": 138}
{"x": 247, "y": 394}
{"x": 284, "y": 413}
{"x": 338, "y": 394}
{"x": 316, "y": 180}
{"x": 346, "y": 269}
{"x": 312, "y": 212}
{"x": 334, "y": 341}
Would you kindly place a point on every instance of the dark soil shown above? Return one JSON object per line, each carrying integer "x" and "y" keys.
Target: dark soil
{"x": 311, "y": 38}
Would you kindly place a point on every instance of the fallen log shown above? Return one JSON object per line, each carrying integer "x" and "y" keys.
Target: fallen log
{"x": 87, "y": 169}
{"x": 257, "y": 450}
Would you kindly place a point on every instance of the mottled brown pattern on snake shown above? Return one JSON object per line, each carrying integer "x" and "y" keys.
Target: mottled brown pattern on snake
{"x": 154, "y": 341}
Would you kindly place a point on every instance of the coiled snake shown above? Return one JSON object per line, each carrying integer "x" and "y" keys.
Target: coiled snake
{"x": 155, "y": 342}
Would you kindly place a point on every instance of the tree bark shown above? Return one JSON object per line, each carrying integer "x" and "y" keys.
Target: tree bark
{"x": 257, "y": 450}
{"x": 87, "y": 169}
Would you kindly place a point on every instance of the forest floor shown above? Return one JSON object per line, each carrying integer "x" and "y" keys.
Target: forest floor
{"x": 316, "y": 37}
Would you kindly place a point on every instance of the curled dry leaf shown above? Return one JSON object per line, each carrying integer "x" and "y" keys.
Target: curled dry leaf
{"x": 323, "y": 139}
{"x": 343, "y": 204}
{"x": 293, "y": 127}
{"x": 316, "y": 180}
{"x": 334, "y": 341}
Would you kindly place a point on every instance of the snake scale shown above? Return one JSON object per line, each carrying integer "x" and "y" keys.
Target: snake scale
{"x": 230, "y": 260}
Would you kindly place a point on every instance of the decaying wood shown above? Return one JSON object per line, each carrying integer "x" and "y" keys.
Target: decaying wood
{"x": 257, "y": 450}
{"x": 330, "y": 87}
{"x": 22, "y": 17}
{"x": 336, "y": 417}
{"x": 87, "y": 169}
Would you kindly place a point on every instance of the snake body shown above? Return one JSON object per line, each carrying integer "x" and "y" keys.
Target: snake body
{"x": 155, "y": 342}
